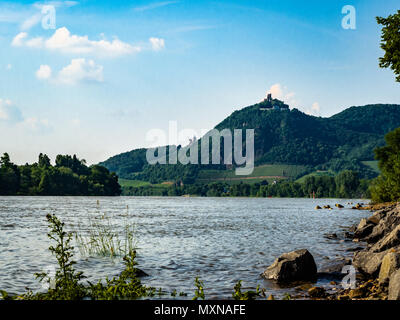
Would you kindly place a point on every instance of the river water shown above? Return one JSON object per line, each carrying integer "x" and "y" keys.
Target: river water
{"x": 219, "y": 240}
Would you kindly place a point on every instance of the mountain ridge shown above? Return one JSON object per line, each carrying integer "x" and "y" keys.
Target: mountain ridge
{"x": 288, "y": 136}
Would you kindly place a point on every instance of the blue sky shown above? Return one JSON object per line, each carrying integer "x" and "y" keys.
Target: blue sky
{"x": 111, "y": 71}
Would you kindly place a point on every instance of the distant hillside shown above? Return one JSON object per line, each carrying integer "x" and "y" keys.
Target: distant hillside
{"x": 285, "y": 137}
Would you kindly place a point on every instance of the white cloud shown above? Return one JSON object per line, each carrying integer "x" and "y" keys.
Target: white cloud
{"x": 18, "y": 40}
{"x": 36, "y": 124}
{"x": 315, "y": 109}
{"x": 9, "y": 66}
{"x": 31, "y": 21}
{"x": 63, "y": 41}
{"x": 34, "y": 43}
{"x": 44, "y": 72}
{"x": 79, "y": 70}
{"x": 275, "y": 91}
{"x": 9, "y": 112}
{"x": 282, "y": 93}
{"x": 157, "y": 43}
{"x": 12, "y": 115}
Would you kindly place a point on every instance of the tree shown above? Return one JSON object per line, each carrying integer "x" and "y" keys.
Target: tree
{"x": 387, "y": 186}
{"x": 44, "y": 161}
{"x": 70, "y": 176}
{"x": 5, "y": 161}
{"x": 9, "y": 176}
{"x": 391, "y": 43}
{"x": 347, "y": 183}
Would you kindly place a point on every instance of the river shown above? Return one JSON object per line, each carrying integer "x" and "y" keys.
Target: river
{"x": 219, "y": 240}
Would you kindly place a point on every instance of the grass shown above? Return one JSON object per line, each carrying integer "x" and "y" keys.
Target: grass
{"x": 269, "y": 172}
{"x": 132, "y": 183}
{"x": 103, "y": 238}
{"x": 372, "y": 164}
{"x": 315, "y": 174}
{"x": 260, "y": 173}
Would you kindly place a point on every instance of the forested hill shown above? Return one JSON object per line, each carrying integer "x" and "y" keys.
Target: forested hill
{"x": 340, "y": 142}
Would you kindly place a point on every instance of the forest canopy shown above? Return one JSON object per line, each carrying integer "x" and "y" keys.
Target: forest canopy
{"x": 69, "y": 176}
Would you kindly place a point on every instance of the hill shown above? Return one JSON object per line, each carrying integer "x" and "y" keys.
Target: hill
{"x": 307, "y": 143}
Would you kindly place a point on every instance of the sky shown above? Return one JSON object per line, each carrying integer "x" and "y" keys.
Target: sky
{"x": 93, "y": 77}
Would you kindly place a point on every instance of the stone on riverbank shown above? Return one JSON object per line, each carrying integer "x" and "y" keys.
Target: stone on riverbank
{"x": 394, "y": 286}
{"x": 388, "y": 220}
{"x": 317, "y": 292}
{"x": 389, "y": 241}
{"x": 292, "y": 266}
{"x": 364, "y": 229}
{"x": 390, "y": 264}
{"x": 368, "y": 263}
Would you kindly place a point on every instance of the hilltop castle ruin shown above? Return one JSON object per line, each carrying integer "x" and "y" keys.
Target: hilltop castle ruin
{"x": 272, "y": 104}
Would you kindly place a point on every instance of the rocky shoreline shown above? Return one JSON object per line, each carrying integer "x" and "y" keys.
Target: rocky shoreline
{"x": 376, "y": 262}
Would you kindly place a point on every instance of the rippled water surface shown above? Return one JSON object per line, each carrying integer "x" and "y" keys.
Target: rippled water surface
{"x": 221, "y": 240}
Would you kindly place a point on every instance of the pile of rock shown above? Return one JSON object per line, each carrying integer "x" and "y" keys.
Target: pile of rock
{"x": 378, "y": 264}
{"x": 380, "y": 260}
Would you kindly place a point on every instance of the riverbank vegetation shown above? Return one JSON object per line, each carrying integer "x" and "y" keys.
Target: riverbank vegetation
{"x": 386, "y": 187}
{"x": 69, "y": 176}
{"x": 347, "y": 184}
{"x": 67, "y": 284}
{"x": 104, "y": 238}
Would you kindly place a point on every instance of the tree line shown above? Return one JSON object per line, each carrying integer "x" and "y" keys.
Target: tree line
{"x": 347, "y": 184}
{"x": 69, "y": 176}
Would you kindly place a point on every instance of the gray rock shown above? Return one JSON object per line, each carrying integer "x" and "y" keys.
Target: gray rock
{"x": 367, "y": 262}
{"x": 389, "y": 241}
{"x": 387, "y": 222}
{"x": 394, "y": 286}
{"x": 390, "y": 264}
{"x": 364, "y": 231}
{"x": 375, "y": 218}
{"x": 362, "y": 224}
{"x": 292, "y": 266}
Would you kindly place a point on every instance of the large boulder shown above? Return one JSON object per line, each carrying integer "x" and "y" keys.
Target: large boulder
{"x": 368, "y": 263}
{"x": 387, "y": 222}
{"x": 389, "y": 241}
{"x": 390, "y": 264}
{"x": 364, "y": 229}
{"x": 394, "y": 286}
{"x": 292, "y": 266}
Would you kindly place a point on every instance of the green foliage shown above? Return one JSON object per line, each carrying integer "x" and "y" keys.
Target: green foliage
{"x": 102, "y": 239}
{"x": 9, "y": 176}
{"x": 290, "y": 137}
{"x": 126, "y": 286}
{"x": 247, "y": 295}
{"x": 287, "y": 296}
{"x": 5, "y": 295}
{"x": 199, "y": 292}
{"x": 387, "y": 186}
{"x": 67, "y": 282}
{"x": 391, "y": 43}
{"x": 70, "y": 176}
{"x": 345, "y": 185}
{"x": 187, "y": 174}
